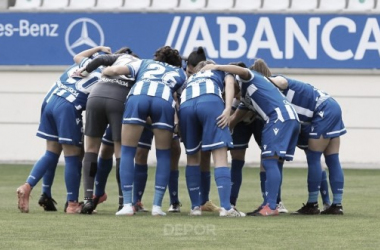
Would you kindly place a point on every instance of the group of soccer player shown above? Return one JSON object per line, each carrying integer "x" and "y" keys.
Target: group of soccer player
{"x": 211, "y": 108}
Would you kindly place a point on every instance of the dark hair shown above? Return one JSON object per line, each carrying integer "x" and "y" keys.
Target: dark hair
{"x": 196, "y": 56}
{"x": 126, "y": 50}
{"x": 201, "y": 64}
{"x": 168, "y": 55}
{"x": 260, "y": 66}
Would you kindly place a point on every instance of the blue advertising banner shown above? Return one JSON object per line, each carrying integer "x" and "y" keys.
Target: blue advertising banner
{"x": 283, "y": 40}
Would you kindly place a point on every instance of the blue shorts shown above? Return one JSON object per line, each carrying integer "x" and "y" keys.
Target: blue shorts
{"x": 61, "y": 122}
{"x": 198, "y": 124}
{"x": 280, "y": 139}
{"x": 243, "y": 131}
{"x": 327, "y": 121}
{"x": 145, "y": 139}
{"x": 139, "y": 107}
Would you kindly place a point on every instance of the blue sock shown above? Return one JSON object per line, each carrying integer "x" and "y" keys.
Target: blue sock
{"x": 263, "y": 179}
{"x": 162, "y": 175}
{"x": 223, "y": 183}
{"x": 193, "y": 182}
{"x": 139, "y": 182}
{"x": 280, "y": 165}
{"x": 127, "y": 172}
{"x": 205, "y": 186}
{"x": 236, "y": 179}
{"x": 48, "y": 179}
{"x": 73, "y": 169}
{"x": 104, "y": 169}
{"x": 325, "y": 189}
{"x": 173, "y": 186}
{"x": 336, "y": 177}
{"x": 47, "y": 161}
{"x": 314, "y": 174}
{"x": 272, "y": 183}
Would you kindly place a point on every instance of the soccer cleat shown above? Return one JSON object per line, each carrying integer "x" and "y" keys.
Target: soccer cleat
{"x": 335, "y": 209}
{"x": 97, "y": 200}
{"x": 210, "y": 207}
{"x": 233, "y": 212}
{"x": 157, "y": 211}
{"x": 325, "y": 206}
{"x": 308, "y": 209}
{"x": 126, "y": 210}
{"x": 139, "y": 207}
{"x": 23, "y": 193}
{"x": 267, "y": 211}
{"x": 73, "y": 207}
{"x": 241, "y": 213}
{"x": 255, "y": 211}
{"x": 196, "y": 211}
{"x": 48, "y": 203}
{"x": 88, "y": 206}
{"x": 175, "y": 208}
{"x": 281, "y": 208}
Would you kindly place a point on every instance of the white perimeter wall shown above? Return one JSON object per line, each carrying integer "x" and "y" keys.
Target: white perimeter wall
{"x": 21, "y": 94}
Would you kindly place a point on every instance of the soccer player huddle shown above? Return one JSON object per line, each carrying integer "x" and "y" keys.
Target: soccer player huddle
{"x": 212, "y": 109}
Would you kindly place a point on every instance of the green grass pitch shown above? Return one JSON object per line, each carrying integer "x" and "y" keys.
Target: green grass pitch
{"x": 358, "y": 228}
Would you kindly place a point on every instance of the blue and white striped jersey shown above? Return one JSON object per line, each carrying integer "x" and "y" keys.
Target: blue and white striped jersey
{"x": 75, "y": 89}
{"x": 260, "y": 95}
{"x": 155, "y": 78}
{"x": 304, "y": 97}
{"x": 202, "y": 83}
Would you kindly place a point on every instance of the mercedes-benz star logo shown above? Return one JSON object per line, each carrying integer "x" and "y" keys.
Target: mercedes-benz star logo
{"x": 81, "y": 28}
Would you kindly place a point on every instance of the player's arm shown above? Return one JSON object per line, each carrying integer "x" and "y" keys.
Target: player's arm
{"x": 243, "y": 73}
{"x": 280, "y": 82}
{"x": 103, "y": 60}
{"x": 237, "y": 117}
{"x": 116, "y": 70}
{"x": 89, "y": 52}
{"x": 223, "y": 119}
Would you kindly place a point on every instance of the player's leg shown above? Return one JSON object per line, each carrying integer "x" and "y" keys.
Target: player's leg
{"x": 134, "y": 119}
{"x": 48, "y": 161}
{"x": 191, "y": 135}
{"x": 141, "y": 168}
{"x": 163, "y": 139}
{"x": 96, "y": 124}
{"x": 206, "y": 204}
{"x": 130, "y": 137}
{"x": 222, "y": 177}
{"x": 73, "y": 171}
{"x": 237, "y": 163}
{"x": 104, "y": 167}
{"x": 336, "y": 176}
{"x": 175, "y": 204}
{"x": 324, "y": 191}
{"x": 141, "y": 176}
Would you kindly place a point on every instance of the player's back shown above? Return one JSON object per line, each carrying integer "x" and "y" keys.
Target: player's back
{"x": 155, "y": 78}
{"x": 266, "y": 99}
{"x": 304, "y": 97}
{"x": 202, "y": 83}
{"x": 76, "y": 89}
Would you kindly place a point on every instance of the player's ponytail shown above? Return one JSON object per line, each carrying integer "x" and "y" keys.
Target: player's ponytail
{"x": 260, "y": 66}
{"x": 196, "y": 56}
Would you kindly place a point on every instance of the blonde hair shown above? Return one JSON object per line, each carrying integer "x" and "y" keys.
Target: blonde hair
{"x": 260, "y": 66}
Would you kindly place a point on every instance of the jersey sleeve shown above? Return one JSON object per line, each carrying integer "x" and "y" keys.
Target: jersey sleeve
{"x": 103, "y": 60}
{"x": 134, "y": 68}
